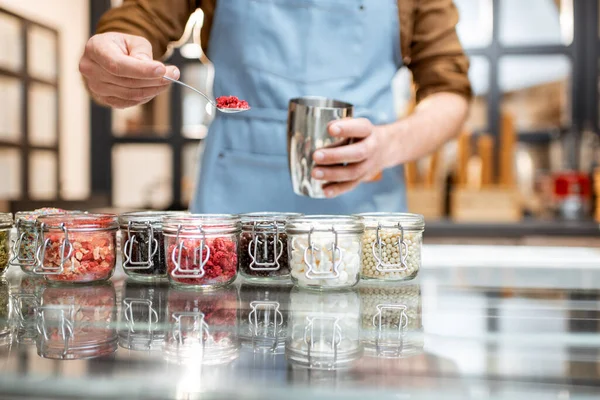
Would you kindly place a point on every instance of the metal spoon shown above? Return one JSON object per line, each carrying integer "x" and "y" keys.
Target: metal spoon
{"x": 211, "y": 101}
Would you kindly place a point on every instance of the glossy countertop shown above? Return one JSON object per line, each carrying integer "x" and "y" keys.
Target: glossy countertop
{"x": 478, "y": 323}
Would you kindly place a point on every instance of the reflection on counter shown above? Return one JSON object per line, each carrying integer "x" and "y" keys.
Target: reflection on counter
{"x": 143, "y": 315}
{"x": 263, "y": 317}
{"x": 202, "y": 327}
{"x": 77, "y": 322}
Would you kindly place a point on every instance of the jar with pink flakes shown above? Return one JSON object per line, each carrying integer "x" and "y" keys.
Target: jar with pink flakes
{"x": 77, "y": 248}
{"x": 202, "y": 250}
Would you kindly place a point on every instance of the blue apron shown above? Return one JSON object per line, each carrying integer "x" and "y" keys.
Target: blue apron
{"x": 269, "y": 51}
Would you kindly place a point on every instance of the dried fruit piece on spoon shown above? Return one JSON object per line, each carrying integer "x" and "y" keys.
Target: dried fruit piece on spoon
{"x": 231, "y": 102}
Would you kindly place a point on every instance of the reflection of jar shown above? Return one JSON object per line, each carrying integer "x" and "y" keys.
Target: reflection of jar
{"x": 391, "y": 320}
{"x": 5, "y": 314}
{"x": 202, "y": 326}
{"x": 143, "y": 316}
{"x": 263, "y": 246}
{"x": 263, "y": 317}
{"x": 325, "y": 251}
{"x": 323, "y": 329}
{"x": 77, "y": 322}
{"x": 24, "y": 299}
{"x": 77, "y": 248}
{"x": 5, "y": 226}
{"x": 143, "y": 245}
{"x": 27, "y": 243}
{"x": 392, "y": 246}
{"x": 202, "y": 249}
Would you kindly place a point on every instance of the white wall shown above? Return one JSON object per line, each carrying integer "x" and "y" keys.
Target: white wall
{"x": 71, "y": 18}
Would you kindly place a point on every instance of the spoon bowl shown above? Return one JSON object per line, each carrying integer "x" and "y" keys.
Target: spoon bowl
{"x": 211, "y": 101}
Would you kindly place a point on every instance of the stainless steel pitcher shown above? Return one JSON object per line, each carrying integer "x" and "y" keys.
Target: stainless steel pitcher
{"x": 308, "y": 119}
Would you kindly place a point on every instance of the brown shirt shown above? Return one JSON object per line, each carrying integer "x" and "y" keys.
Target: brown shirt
{"x": 428, "y": 40}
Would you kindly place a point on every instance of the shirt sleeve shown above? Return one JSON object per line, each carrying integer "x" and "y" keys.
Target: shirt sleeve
{"x": 437, "y": 59}
{"x": 159, "y": 21}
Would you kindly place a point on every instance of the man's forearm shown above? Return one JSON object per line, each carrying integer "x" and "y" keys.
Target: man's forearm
{"x": 436, "y": 120}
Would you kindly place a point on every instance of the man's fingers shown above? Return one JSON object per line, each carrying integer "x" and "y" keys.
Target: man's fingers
{"x": 347, "y": 173}
{"x": 351, "y": 128}
{"x": 104, "y": 89}
{"x": 351, "y": 153}
{"x": 115, "y": 60}
{"x": 337, "y": 189}
{"x": 94, "y": 72}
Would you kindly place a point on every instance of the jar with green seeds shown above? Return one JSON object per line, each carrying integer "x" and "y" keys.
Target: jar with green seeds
{"x": 5, "y": 227}
{"x": 391, "y": 246}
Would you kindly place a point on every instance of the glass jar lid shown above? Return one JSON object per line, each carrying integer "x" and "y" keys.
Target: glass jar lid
{"x": 325, "y": 223}
{"x": 31, "y": 216}
{"x": 79, "y": 222}
{"x": 267, "y": 218}
{"x": 6, "y": 220}
{"x": 391, "y": 220}
{"x": 156, "y": 218}
{"x": 193, "y": 224}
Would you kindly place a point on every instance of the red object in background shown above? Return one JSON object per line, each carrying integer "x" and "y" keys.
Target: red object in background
{"x": 231, "y": 102}
{"x": 572, "y": 194}
{"x": 572, "y": 183}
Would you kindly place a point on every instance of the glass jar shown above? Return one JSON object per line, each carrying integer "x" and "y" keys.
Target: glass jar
{"x": 77, "y": 322}
{"x": 324, "y": 329}
{"x": 143, "y": 245}
{"x": 392, "y": 246}
{"x": 264, "y": 317}
{"x": 391, "y": 320}
{"x": 202, "y": 250}
{"x": 5, "y": 313}
{"x": 202, "y": 326}
{"x": 6, "y": 222}
{"x": 77, "y": 248}
{"x": 263, "y": 246}
{"x": 143, "y": 315}
{"x": 324, "y": 251}
{"x": 27, "y": 242}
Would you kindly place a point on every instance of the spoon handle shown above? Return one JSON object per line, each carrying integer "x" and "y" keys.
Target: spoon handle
{"x": 192, "y": 88}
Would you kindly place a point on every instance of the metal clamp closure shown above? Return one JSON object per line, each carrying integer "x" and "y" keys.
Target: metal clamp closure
{"x": 198, "y": 325}
{"x": 18, "y": 258}
{"x": 152, "y": 244}
{"x": 198, "y": 258}
{"x": 66, "y": 250}
{"x": 378, "y": 253}
{"x": 64, "y": 326}
{"x": 313, "y": 271}
{"x": 260, "y": 243}
{"x": 314, "y": 345}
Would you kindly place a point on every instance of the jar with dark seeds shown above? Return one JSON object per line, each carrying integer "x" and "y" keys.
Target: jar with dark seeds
{"x": 263, "y": 247}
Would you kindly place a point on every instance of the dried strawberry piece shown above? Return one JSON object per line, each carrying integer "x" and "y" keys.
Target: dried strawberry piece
{"x": 231, "y": 102}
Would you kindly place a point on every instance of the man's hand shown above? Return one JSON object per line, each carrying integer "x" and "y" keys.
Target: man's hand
{"x": 119, "y": 71}
{"x": 364, "y": 158}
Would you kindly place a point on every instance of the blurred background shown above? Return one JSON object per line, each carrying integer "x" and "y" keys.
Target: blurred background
{"x": 522, "y": 172}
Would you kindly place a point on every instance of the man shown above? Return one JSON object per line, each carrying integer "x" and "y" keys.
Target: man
{"x": 268, "y": 51}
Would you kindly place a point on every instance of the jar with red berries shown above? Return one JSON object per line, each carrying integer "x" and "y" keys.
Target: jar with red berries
{"x": 263, "y": 247}
{"x": 77, "y": 248}
{"x": 202, "y": 250}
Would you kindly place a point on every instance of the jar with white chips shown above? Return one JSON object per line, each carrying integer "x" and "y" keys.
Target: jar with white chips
{"x": 391, "y": 246}
{"x": 325, "y": 251}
